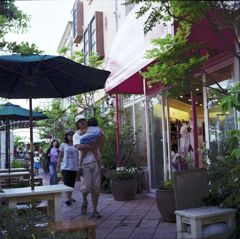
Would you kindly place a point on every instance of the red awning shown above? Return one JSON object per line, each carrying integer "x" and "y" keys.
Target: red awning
{"x": 127, "y": 56}
{"x": 132, "y": 85}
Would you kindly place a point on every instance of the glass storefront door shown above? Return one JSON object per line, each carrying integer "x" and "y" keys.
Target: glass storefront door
{"x": 156, "y": 140}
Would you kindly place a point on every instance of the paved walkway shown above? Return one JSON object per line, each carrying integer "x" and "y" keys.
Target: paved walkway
{"x": 135, "y": 219}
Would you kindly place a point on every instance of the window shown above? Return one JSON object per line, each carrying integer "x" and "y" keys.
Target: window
{"x": 92, "y": 34}
{"x": 93, "y": 37}
{"x": 74, "y": 22}
{"x": 77, "y": 26}
{"x": 86, "y": 46}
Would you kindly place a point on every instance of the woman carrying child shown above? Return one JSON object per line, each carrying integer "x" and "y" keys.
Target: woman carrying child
{"x": 89, "y": 159}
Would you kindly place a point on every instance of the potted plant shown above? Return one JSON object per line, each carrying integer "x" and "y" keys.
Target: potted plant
{"x": 166, "y": 200}
{"x": 124, "y": 183}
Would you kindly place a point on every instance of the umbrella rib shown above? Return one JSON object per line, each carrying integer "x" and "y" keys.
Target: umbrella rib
{"x": 84, "y": 79}
{"x": 9, "y": 69}
{"x": 60, "y": 95}
{"x": 14, "y": 86}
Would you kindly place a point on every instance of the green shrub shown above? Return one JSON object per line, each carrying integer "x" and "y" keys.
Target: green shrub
{"x": 21, "y": 224}
{"x": 224, "y": 171}
{"x": 18, "y": 164}
{"x": 30, "y": 224}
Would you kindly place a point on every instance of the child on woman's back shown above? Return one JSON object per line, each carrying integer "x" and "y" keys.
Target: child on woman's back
{"x": 88, "y": 137}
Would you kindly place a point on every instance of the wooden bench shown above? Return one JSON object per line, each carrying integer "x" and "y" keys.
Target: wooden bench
{"x": 82, "y": 225}
{"x": 38, "y": 181}
{"x": 12, "y": 179}
{"x": 191, "y": 222}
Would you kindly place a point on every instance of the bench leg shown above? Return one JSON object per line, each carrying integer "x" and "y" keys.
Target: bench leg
{"x": 54, "y": 207}
{"x": 180, "y": 227}
{"x": 92, "y": 233}
{"x": 196, "y": 229}
{"x": 232, "y": 222}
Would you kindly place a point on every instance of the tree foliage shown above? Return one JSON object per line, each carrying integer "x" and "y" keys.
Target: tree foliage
{"x": 57, "y": 123}
{"x": 87, "y": 101}
{"x": 176, "y": 60}
{"x": 14, "y": 20}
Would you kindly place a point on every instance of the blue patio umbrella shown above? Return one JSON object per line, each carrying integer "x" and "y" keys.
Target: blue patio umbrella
{"x": 13, "y": 114}
{"x": 45, "y": 76}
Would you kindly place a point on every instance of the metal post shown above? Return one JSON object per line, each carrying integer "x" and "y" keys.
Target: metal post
{"x": 118, "y": 156}
{"x": 194, "y": 130}
{"x": 31, "y": 141}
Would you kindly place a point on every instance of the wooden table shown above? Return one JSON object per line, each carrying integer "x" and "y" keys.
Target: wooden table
{"x": 7, "y": 176}
{"x": 51, "y": 193}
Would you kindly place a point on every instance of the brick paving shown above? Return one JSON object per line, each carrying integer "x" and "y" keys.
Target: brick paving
{"x": 135, "y": 219}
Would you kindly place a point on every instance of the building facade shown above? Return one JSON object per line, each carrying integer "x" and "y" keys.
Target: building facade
{"x": 164, "y": 128}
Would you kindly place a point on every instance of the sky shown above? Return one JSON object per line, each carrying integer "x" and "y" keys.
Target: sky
{"x": 48, "y": 21}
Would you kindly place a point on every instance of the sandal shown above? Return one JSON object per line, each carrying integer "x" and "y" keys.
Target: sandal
{"x": 96, "y": 215}
{"x": 84, "y": 209}
{"x": 68, "y": 203}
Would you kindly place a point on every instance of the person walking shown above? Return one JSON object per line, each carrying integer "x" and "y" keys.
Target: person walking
{"x": 91, "y": 177}
{"x": 36, "y": 159}
{"x": 52, "y": 154}
{"x": 69, "y": 157}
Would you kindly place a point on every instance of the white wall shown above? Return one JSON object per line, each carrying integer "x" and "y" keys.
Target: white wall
{"x": 3, "y": 148}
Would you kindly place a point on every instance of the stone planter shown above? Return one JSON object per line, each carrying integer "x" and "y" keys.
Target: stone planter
{"x": 124, "y": 190}
{"x": 166, "y": 204}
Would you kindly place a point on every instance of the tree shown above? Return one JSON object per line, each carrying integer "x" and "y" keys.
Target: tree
{"x": 57, "y": 123}
{"x": 18, "y": 141}
{"x": 177, "y": 60}
{"x": 85, "y": 102}
{"x": 14, "y": 20}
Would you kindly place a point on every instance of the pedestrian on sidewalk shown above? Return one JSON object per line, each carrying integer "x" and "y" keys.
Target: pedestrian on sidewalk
{"x": 91, "y": 176}
{"x": 68, "y": 156}
{"x": 36, "y": 159}
{"x": 52, "y": 154}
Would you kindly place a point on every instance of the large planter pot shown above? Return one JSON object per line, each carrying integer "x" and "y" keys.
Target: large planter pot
{"x": 166, "y": 204}
{"x": 124, "y": 190}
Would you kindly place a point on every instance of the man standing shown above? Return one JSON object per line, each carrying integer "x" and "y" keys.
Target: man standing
{"x": 91, "y": 176}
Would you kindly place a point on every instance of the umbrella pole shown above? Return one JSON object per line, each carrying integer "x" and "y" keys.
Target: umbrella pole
{"x": 7, "y": 165}
{"x": 31, "y": 140}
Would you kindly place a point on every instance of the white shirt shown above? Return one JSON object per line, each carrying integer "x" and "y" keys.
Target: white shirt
{"x": 70, "y": 157}
{"x": 89, "y": 156}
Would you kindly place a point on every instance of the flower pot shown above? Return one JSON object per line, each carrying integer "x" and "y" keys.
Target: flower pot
{"x": 124, "y": 190}
{"x": 166, "y": 204}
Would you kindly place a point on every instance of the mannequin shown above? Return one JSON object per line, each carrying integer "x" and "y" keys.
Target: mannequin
{"x": 184, "y": 140}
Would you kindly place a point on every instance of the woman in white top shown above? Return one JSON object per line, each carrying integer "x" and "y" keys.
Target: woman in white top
{"x": 69, "y": 157}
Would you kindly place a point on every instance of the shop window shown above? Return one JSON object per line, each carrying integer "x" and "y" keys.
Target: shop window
{"x": 140, "y": 154}
{"x": 77, "y": 26}
{"x": 219, "y": 123}
{"x": 134, "y": 117}
{"x": 93, "y": 37}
